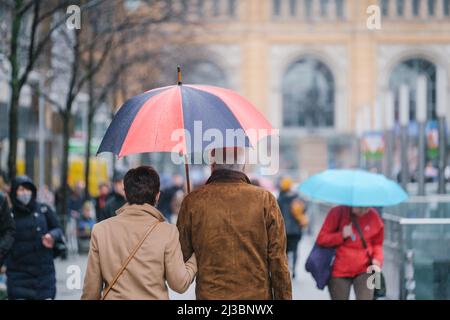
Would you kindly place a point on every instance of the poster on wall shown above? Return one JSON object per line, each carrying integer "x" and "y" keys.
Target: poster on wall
{"x": 432, "y": 132}
{"x": 373, "y": 145}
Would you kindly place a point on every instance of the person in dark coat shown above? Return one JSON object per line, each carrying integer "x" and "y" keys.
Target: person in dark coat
{"x": 30, "y": 267}
{"x": 7, "y": 229}
{"x": 116, "y": 200}
{"x": 292, "y": 208}
{"x": 100, "y": 201}
{"x": 168, "y": 195}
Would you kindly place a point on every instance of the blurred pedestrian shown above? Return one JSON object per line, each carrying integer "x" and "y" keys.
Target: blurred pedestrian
{"x": 115, "y": 201}
{"x": 350, "y": 267}
{"x": 431, "y": 173}
{"x": 76, "y": 199}
{"x": 175, "y": 206}
{"x": 85, "y": 224}
{"x": 7, "y": 229}
{"x": 140, "y": 229}
{"x": 168, "y": 194}
{"x": 293, "y": 209}
{"x": 46, "y": 196}
{"x": 237, "y": 232}
{"x": 100, "y": 202}
{"x": 30, "y": 267}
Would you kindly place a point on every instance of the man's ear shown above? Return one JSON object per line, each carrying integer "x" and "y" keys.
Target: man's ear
{"x": 157, "y": 196}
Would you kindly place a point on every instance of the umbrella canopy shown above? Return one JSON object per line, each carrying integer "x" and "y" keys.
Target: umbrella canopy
{"x": 169, "y": 119}
{"x": 146, "y": 122}
{"x": 354, "y": 188}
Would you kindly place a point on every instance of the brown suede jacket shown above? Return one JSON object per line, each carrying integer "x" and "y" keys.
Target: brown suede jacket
{"x": 237, "y": 233}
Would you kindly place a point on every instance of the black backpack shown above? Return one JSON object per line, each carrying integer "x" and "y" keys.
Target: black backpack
{"x": 60, "y": 247}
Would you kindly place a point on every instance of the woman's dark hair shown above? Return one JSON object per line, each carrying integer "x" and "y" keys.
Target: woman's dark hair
{"x": 141, "y": 185}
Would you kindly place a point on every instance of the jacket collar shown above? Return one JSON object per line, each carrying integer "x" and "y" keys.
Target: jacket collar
{"x": 140, "y": 209}
{"x": 224, "y": 175}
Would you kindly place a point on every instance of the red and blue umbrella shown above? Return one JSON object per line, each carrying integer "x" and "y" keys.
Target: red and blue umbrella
{"x": 146, "y": 122}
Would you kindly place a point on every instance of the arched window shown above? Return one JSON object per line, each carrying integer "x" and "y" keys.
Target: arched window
{"x": 308, "y": 95}
{"x": 407, "y": 72}
{"x": 204, "y": 72}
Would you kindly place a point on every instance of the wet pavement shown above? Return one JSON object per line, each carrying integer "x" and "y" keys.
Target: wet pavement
{"x": 70, "y": 274}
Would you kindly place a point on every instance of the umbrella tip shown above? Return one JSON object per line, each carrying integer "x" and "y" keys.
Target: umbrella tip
{"x": 179, "y": 75}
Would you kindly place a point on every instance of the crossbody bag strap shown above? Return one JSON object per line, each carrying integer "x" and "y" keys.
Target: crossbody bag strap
{"x": 130, "y": 257}
{"x": 363, "y": 240}
{"x": 341, "y": 217}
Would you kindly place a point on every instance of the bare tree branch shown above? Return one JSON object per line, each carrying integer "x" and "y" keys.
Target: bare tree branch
{"x": 26, "y": 7}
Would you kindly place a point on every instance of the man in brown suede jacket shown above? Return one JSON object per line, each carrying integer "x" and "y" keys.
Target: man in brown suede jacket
{"x": 237, "y": 233}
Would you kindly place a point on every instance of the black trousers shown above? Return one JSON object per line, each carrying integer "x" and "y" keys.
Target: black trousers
{"x": 292, "y": 246}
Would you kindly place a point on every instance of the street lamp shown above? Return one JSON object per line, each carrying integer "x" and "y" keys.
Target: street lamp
{"x": 421, "y": 117}
{"x": 389, "y": 123}
{"x": 441, "y": 110}
{"x": 378, "y": 127}
{"x": 359, "y": 133}
{"x": 366, "y": 121}
{"x": 404, "y": 121}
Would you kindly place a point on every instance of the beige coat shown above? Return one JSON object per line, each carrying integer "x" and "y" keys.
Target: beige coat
{"x": 158, "y": 260}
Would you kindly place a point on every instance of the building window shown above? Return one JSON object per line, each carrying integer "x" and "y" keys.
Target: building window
{"x": 431, "y": 7}
{"x": 407, "y": 72}
{"x": 340, "y": 8}
{"x": 308, "y": 95}
{"x": 293, "y": 7}
{"x": 276, "y": 7}
{"x": 308, "y": 8}
{"x": 400, "y": 7}
{"x": 384, "y": 7}
{"x": 231, "y": 8}
{"x": 416, "y": 7}
{"x": 131, "y": 5}
{"x": 216, "y": 8}
{"x": 323, "y": 8}
{"x": 446, "y": 8}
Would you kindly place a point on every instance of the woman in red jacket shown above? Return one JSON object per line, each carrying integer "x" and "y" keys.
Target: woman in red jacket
{"x": 352, "y": 260}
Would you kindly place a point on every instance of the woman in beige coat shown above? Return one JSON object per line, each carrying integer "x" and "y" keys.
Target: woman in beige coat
{"x": 135, "y": 253}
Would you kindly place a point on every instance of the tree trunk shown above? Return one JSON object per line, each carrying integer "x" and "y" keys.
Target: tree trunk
{"x": 90, "y": 117}
{"x": 88, "y": 150}
{"x": 65, "y": 163}
{"x": 15, "y": 90}
{"x": 13, "y": 132}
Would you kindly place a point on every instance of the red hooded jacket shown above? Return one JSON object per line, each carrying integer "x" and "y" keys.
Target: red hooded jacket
{"x": 351, "y": 257}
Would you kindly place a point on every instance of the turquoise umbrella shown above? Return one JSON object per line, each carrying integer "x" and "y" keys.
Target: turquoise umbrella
{"x": 356, "y": 188}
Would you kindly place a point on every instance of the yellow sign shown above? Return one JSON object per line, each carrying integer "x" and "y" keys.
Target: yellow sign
{"x": 97, "y": 174}
{"x": 20, "y": 167}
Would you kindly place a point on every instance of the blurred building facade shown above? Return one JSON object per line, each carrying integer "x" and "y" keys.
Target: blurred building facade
{"x": 312, "y": 65}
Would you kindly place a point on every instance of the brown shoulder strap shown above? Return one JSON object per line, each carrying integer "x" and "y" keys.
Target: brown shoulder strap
{"x": 130, "y": 257}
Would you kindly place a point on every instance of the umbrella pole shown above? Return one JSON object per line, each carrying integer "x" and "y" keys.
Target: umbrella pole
{"x": 186, "y": 168}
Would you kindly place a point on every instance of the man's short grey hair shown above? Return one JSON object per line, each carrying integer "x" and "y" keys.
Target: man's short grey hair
{"x": 228, "y": 158}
